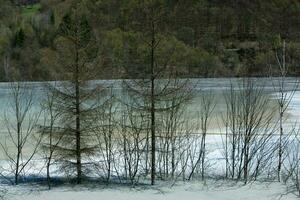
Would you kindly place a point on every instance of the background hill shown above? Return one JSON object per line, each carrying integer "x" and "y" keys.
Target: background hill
{"x": 214, "y": 37}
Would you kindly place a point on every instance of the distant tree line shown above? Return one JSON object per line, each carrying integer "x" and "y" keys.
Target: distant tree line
{"x": 217, "y": 38}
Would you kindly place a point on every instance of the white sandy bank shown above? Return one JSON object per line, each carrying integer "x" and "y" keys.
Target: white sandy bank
{"x": 183, "y": 191}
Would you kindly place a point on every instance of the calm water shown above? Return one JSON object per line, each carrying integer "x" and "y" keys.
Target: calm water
{"x": 217, "y": 86}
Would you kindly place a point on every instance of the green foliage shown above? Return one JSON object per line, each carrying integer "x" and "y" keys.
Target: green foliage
{"x": 5, "y": 37}
{"x": 19, "y": 38}
{"x": 205, "y": 32}
{"x": 29, "y": 11}
{"x": 81, "y": 29}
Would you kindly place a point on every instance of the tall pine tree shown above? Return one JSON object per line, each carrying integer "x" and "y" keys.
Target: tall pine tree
{"x": 75, "y": 97}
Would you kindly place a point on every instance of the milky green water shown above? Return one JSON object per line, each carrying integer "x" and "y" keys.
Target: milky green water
{"x": 217, "y": 86}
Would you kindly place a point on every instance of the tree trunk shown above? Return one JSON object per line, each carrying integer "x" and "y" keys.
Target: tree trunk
{"x": 78, "y": 131}
{"x": 152, "y": 109}
{"x": 19, "y": 148}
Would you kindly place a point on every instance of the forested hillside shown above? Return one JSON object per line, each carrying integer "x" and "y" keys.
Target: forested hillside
{"x": 204, "y": 38}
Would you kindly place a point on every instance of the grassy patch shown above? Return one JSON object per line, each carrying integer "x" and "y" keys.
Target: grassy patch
{"x": 30, "y": 10}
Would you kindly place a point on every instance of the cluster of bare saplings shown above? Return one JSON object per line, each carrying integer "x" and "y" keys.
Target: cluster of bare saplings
{"x": 116, "y": 142}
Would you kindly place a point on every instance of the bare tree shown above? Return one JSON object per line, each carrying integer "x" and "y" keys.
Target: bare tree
{"x": 292, "y": 165}
{"x": 250, "y": 126}
{"x": 232, "y": 136}
{"x": 21, "y": 120}
{"x": 105, "y": 132}
{"x": 48, "y": 131}
{"x": 207, "y": 106}
{"x": 134, "y": 142}
{"x": 174, "y": 128}
{"x": 284, "y": 93}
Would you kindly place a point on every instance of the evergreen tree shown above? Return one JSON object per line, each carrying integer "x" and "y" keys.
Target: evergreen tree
{"x": 75, "y": 98}
{"x": 19, "y": 38}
